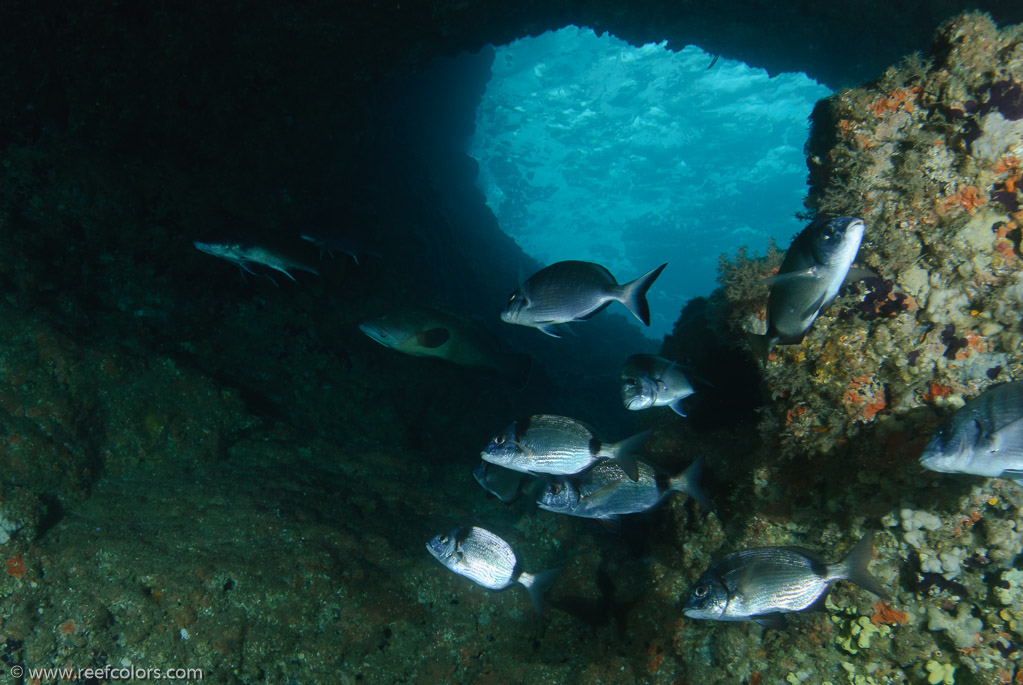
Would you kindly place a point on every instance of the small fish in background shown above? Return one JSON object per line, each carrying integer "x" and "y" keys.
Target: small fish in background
{"x": 764, "y": 584}
{"x": 504, "y": 484}
{"x": 605, "y": 493}
{"x": 816, "y": 265}
{"x": 558, "y": 445}
{"x": 349, "y": 243}
{"x": 652, "y": 381}
{"x": 487, "y": 560}
{"x": 429, "y": 332}
{"x": 575, "y": 291}
{"x": 247, "y": 254}
{"x": 984, "y": 437}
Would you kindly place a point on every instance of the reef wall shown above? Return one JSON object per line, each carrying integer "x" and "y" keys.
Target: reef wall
{"x": 929, "y": 156}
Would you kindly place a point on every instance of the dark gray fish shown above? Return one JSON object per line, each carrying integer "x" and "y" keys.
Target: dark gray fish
{"x": 817, "y": 263}
{"x": 604, "y": 492}
{"x": 575, "y": 291}
{"x": 763, "y": 584}
{"x": 983, "y": 438}
{"x": 652, "y": 381}
{"x": 558, "y": 445}
{"x": 487, "y": 560}
{"x": 351, "y": 244}
{"x": 247, "y": 254}
{"x": 429, "y": 332}
{"x": 502, "y": 483}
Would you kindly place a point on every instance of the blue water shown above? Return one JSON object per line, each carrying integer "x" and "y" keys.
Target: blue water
{"x": 593, "y": 149}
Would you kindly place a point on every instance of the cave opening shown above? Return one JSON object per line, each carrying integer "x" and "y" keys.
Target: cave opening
{"x": 591, "y": 148}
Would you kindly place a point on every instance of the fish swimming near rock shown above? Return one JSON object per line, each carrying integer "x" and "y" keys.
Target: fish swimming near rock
{"x": 984, "y": 437}
{"x": 429, "y": 332}
{"x": 816, "y": 265}
{"x": 487, "y": 560}
{"x": 605, "y": 493}
{"x": 247, "y": 254}
{"x": 575, "y": 291}
{"x": 504, "y": 484}
{"x": 558, "y": 445}
{"x": 652, "y": 381}
{"x": 765, "y": 583}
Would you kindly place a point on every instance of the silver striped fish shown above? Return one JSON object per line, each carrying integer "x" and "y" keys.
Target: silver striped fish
{"x": 488, "y": 560}
{"x": 558, "y": 445}
{"x": 763, "y": 584}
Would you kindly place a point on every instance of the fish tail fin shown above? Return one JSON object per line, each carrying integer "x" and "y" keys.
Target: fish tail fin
{"x": 854, "y": 567}
{"x": 689, "y": 482}
{"x": 634, "y": 294}
{"x": 538, "y": 586}
{"x": 624, "y": 453}
{"x": 761, "y": 345}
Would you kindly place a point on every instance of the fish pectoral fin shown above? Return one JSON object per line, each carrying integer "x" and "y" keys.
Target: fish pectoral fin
{"x": 745, "y": 584}
{"x": 813, "y": 273}
{"x": 858, "y": 274}
{"x": 433, "y": 337}
{"x": 555, "y": 330}
{"x": 1013, "y": 474}
{"x": 676, "y": 407}
{"x": 549, "y": 330}
{"x": 813, "y": 309}
{"x": 774, "y": 621}
{"x": 611, "y": 523}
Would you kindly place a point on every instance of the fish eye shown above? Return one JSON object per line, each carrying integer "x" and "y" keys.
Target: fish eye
{"x": 443, "y": 539}
{"x": 555, "y": 488}
{"x": 499, "y": 440}
{"x": 512, "y": 298}
{"x": 630, "y": 382}
{"x": 701, "y": 591}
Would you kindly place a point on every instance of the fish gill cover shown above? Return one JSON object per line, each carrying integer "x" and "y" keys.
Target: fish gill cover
{"x": 590, "y": 148}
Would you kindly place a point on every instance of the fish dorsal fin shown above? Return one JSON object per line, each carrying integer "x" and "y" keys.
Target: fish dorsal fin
{"x": 432, "y": 338}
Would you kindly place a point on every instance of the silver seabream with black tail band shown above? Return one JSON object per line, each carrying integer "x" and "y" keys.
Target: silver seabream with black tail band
{"x": 487, "y": 560}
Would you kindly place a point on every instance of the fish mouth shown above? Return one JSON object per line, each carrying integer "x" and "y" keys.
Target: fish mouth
{"x": 641, "y": 401}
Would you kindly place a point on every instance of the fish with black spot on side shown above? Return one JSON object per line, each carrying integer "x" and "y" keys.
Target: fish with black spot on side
{"x": 765, "y": 583}
{"x": 816, "y": 266}
{"x": 984, "y": 437}
{"x": 558, "y": 445}
{"x": 605, "y": 493}
{"x": 430, "y": 332}
{"x": 489, "y": 561}
{"x": 245, "y": 255}
{"x": 575, "y": 291}
{"x": 652, "y": 381}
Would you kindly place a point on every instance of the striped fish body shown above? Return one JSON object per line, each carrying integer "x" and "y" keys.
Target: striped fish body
{"x": 551, "y": 444}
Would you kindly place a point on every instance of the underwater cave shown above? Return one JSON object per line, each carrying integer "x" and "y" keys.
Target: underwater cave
{"x": 592, "y": 149}
{"x": 204, "y": 468}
